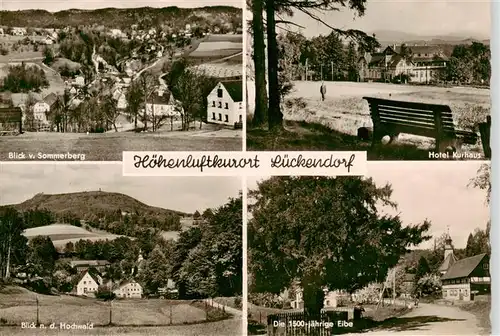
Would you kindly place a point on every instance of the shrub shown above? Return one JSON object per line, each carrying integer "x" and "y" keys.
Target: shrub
{"x": 470, "y": 116}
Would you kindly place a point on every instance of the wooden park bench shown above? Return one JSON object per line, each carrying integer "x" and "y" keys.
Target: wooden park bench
{"x": 391, "y": 118}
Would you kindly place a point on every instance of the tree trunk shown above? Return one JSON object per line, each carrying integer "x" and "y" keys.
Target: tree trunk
{"x": 313, "y": 295}
{"x": 171, "y": 123}
{"x": 135, "y": 121}
{"x": 260, "y": 116}
{"x": 7, "y": 269}
{"x": 275, "y": 115}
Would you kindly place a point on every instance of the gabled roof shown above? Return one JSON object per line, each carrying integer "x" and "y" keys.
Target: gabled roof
{"x": 464, "y": 267}
{"x": 235, "y": 89}
{"x": 448, "y": 262}
{"x": 158, "y": 99}
{"x": 82, "y": 274}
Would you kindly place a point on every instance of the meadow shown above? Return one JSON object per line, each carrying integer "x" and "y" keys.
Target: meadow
{"x": 131, "y": 317}
{"x": 61, "y": 234}
{"x": 344, "y": 111}
{"x": 109, "y": 146}
{"x": 215, "y": 47}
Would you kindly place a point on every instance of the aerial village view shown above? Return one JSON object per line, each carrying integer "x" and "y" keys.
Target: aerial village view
{"x": 88, "y": 84}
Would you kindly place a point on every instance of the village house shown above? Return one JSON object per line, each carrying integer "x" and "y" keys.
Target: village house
{"x": 78, "y": 81}
{"x": 466, "y": 278}
{"x": 422, "y": 65}
{"x": 84, "y": 265}
{"x": 225, "y": 103}
{"x": 87, "y": 283}
{"x": 120, "y": 98}
{"x": 40, "y": 111}
{"x": 19, "y": 31}
{"x": 128, "y": 289}
{"x": 162, "y": 103}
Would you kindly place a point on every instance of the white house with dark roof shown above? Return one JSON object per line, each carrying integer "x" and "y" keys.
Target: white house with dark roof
{"x": 87, "y": 283}
{"x": 225, "y": 103}
{"x": 129, "y": 289}
{"x": 465, "y": 278}
{"x": 162, "y": 103}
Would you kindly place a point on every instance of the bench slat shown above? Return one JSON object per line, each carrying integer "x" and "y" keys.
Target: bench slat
{"x": 412, "y": 105}
{"x": 384, "y": 113}
{"x": 423, "y": 114}
{"x": 407, "y": 110}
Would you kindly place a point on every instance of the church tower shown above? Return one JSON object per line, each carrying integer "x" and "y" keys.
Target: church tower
{"x": 449, "y": 257}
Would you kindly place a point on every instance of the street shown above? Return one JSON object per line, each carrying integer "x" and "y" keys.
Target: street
{"x": 430, "y": 319}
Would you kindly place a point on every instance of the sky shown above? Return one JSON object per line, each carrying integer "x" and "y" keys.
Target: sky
{"x": 20, "y": 182}
{"x": 421, "y": 17}
{"x": 58, "y": 5}
{"x": 436, "y": 191}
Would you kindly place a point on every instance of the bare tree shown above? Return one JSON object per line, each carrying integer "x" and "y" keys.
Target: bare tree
{"x": 147, "y": 82}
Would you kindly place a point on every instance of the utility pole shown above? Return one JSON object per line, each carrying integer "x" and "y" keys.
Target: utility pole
{"x": 332, "y": 69}
{"x": 37, "y": 312}
{"x": 306, "y": 69}
{"x": 321, "y": 71}
{"x": 394, "y": 287}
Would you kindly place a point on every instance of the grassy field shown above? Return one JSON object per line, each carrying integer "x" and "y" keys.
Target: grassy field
{"x": 344, "y": 111}
{"x": 231, "y": 327}
{"x": 61, "y": 234}
{"x": 19, "y": 305}
{"x": 109, "y": 146}
{"x": 131, "y": 317}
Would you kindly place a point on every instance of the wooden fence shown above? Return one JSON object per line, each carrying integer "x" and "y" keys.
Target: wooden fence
{"x": 300, "y": 324}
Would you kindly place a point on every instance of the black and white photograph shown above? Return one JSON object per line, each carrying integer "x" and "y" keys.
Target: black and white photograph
{"x": 405, "y": 80}
{"x": 88, "y": 80}
{"x": 402, "y": 251}
{"x": 86, "y": 251}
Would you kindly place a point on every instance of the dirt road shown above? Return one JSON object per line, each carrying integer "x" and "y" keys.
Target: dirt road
{"x": 430, "y": 319}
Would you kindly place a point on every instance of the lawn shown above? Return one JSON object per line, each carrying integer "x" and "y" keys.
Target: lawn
{"x": 312, "y": 124}
{"x": 109, "y": 146}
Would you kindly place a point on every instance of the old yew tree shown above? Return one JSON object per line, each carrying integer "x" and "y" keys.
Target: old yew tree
{"x": 324, "y": 232}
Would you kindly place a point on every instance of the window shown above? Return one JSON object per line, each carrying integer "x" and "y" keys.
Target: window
{"x": 220, "y": 104}
{"x": 213, "y": 103}
{"x": 220, "y": 117}
{"x": 213, "y": 116}
{"x": 227, "y": 118}
{"x": 85, "y": 282}
{"x": 219, "y": 93}
{"x": 227, "y": 106}
{"x": 241, "y": 119}
{"x": 486, "y": 266}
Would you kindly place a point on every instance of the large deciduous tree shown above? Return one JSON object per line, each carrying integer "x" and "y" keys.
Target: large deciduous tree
{"x": 324, "y": 232}
{"x": 12, "y": 242}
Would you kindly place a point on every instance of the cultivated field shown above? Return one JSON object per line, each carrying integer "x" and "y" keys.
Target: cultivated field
{"x": 344, "y": 109}
{"x": 215, "y": 47}
{"x": 109, "y": 146}
{"x": 61, "y": 234}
